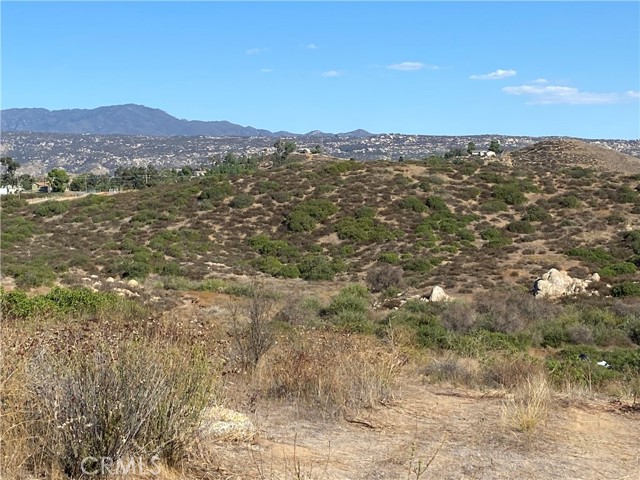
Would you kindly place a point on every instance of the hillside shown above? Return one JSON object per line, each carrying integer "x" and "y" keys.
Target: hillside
{"x": 271, "y": 324}
{"x": 466, "y": 226}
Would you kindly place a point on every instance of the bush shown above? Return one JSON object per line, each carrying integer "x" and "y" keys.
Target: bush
{"x": 437, "y": 204}
{"x": 412, "y": 203}
{"x": 242, "y": 200}
{"x": 363, "y": 230}
{"x": 626, "y": 289}
{"x": 350, "y": 308}
{"x": 536, "y": 213}
{"x": 217, "y": 192}
{"x": 615, "y": 269}
{"x": 568, "y": 201}
{"x": 138, "y": 400}
{"x": 306, "y": 215}
{"x": 318, "y": 267}
{"x": 382, "y": 277}
{"x": 494, "y": 206}
{"x": 51, "y": 208}
{"x": 389, "y": 257}
{"x": 509, "y": 193}
{"x": 521, "y": 226}
{"x": 495, "y": 238}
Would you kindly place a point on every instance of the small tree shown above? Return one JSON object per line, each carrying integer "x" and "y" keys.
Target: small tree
{"x": 284, "y": 148}
{"x": 471, "y": 147}
{"x": 58, "y": 179}
{"x": 495, "y": 147}
{"x": 9, "y": 177}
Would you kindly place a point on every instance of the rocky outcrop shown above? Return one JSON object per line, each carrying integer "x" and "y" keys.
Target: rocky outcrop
{"x": 556, "y": 283}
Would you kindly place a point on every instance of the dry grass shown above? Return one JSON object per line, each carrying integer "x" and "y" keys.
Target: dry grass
{"x": 529, "y": 407}
{"x": 132, "y": 400}
{"x": 335, "y": 373}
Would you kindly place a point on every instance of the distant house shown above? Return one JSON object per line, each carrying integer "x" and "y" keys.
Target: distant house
{"x": 40, "y": 187}
{"x": 10, "y": 189}
{"x": 483, "y": 153}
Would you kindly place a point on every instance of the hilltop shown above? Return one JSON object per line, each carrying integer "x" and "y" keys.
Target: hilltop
{"x": 575, "y": 153}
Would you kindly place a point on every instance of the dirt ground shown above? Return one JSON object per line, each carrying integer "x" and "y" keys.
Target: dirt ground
{"x": 437, "y": 432}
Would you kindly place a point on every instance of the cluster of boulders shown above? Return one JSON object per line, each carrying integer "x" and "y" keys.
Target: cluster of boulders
{"x": 556, "y": 283}
{"x": 437, "y": 294}
{"x": 94, "y": 281}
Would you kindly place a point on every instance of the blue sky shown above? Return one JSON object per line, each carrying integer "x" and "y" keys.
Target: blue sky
{"x": 455, "y": 68}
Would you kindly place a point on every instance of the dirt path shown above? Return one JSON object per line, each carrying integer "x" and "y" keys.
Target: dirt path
{"x": 458, "y": 434}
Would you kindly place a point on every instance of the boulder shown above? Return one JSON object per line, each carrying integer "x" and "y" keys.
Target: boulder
{"x": 556, "y": 283}
{"x": 133, "y": 283}
{"x": 437, "y": 295}
{"x": 595, "y": 277}
{"x": 110, "y": 280}
{"x": 219, "y": 423}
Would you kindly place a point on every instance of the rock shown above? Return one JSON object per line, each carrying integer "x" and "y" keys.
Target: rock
{"x": 219, "y": 423}
{"x": 133, "y": 283}
{"x": 437, "y": 295}
{"x": 110, "y": 280}
{"x": 555, "y": 283}
{"x": 123, "y": 292}
{"x": 595, "y": 277}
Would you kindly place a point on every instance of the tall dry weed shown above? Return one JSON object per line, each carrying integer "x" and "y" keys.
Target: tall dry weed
{"x": 529, "y": 406}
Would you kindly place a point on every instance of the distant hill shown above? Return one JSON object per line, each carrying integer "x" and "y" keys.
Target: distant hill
{"x": 126, "y": 120}
{"x": 118, "y": 119}
{"x": 570, "y": 153}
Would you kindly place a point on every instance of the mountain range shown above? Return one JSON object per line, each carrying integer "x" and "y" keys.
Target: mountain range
{"x": 129, "y": 119}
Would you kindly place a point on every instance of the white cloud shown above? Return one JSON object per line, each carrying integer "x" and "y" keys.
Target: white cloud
{"x": 407, "y": 66}
{"x": 497, "y": 75}
{"x": 266, "y": 70}
{"x": 541, "y": 81}
{"x": 331, "y": 73}
{"x": 255, "y": 51}
{"x": 311, "y": 46}
{"x": 632, "y": 93}
{"x": 555, "y": 94}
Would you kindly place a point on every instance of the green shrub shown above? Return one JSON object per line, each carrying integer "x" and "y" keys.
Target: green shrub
{"x": 265, "y": 186}
{"x": 306, "y": 215}
{"x": 412, "y": 203}
{"x": 51, "y": 208}
{"x": 626, "y": 289}
{"x": 389, "y": 257}
{"x": 420, "y": 265}
{"x": 242, "y": 200}
{"x": 536, "y": 213}
{"x": 363, "y": 230}
{"x": 318, "y": 267}
{"x": 596, "y": 255}
{"x": 494, "y": 206}
{"x": 568, "y": 201}
{"x": 521, "y": 226}
{"x": 268, "y": 264}
{"x": 437, "y": 204}
{"x": 350, "y": 308}
{"x": 15, "y": 229}
{"x": 619, "y": 268}
{"x": 495, "y": 237}
{"x": 278, "y": 248}
{"x": 509, "y": 193}
{"x": 217, "y": 192}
